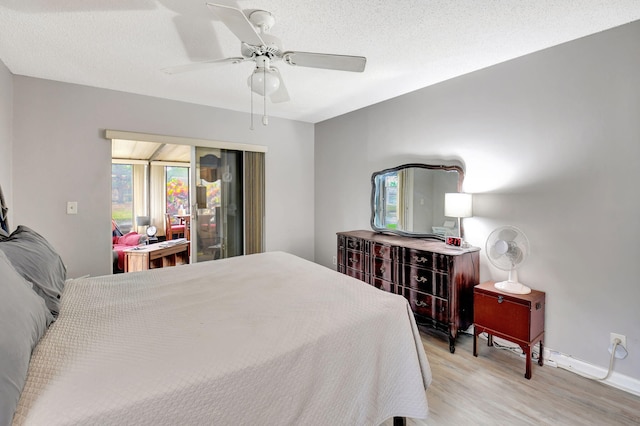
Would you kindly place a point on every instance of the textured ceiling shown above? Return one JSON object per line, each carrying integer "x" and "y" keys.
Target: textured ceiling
{"x": 410, "y": 44}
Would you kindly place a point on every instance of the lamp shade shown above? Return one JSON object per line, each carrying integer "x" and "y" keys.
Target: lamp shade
{"x": 143, "y": 221}
{"x": 457, "y": 204}
{"x": 264, "y": 82}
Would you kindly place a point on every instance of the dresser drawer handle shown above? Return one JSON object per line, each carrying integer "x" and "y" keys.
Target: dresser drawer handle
{"x": 382, "y": 269}
{"x": 420, "y": 279}
{"x": 421, "y": 304}
{"x": 352, "y": 260}
{"x": 500, "y": 299}
{"x": 420, "y": 259}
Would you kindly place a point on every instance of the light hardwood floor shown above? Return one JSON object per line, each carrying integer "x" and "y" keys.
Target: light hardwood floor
{"x": 491, "y": 390}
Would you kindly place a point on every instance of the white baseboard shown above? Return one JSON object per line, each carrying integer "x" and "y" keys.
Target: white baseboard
{"x": 567, "y": 362}
{"x": 556, "y": 359}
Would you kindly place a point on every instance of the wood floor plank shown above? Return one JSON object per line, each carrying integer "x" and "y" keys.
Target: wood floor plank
{"x": 491, "y": 390}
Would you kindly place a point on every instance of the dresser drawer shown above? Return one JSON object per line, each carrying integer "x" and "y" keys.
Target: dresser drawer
{"x": 342, "y": 252}
{"x": 382, "y": 268}
{"x": 354, "y": 243}
{"x": 355, "y": 260}
{"x": 356, "y": 273}
{"x": 426, "y": 259}
{"x": 381, "y": 251}
{"x": 426, "y": 280}
{"x": 383, "y": 284}
{"x": 427, "y": 305}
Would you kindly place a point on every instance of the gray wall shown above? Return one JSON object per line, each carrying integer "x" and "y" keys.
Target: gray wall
{"x": 60, "y": 155}
{"x": 6, "y": 115}
{"x": 551, "y": 144}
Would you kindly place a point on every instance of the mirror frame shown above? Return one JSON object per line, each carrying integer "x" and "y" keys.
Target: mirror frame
{"x": 447, "y": 168}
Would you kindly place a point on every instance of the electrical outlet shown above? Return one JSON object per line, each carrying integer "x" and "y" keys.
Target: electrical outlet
{"x": 621, "y": 349}
{"x": 72, "y": 207}
{"x": 623, "y": 339}
{"x": 334, "y": 260}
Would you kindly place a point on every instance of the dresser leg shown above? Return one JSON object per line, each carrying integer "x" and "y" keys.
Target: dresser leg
{"x": 452, "y": 344}
{"x": 399, "y": 421}
{"x": 475, "y": 343}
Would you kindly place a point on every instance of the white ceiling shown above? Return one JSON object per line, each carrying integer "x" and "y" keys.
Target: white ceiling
{"x": 149, "y": 151}
{"x": 410, "y": 44}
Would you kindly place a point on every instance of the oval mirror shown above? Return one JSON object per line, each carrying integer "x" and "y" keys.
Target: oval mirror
{"x": 409, "y": 200}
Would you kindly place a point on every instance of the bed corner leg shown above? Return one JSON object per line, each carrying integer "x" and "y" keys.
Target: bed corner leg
{"x": 399, "y": 421}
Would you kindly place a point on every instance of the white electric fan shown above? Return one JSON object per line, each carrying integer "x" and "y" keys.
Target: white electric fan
{"x": 507, "y": 248}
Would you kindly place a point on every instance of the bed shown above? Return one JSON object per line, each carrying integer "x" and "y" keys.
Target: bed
{"x": 261, "y": 339}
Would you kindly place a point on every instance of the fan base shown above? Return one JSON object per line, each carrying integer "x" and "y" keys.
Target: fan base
{"x": 512, "y": 287}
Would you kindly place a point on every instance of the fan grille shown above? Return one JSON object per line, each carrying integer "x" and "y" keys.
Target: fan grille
{"x": 507, "y": 247}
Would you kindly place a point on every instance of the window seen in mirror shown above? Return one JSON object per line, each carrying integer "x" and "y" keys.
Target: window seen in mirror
{"x": 391, "y": 201}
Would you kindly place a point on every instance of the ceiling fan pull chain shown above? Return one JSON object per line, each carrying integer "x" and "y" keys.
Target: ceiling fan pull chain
{"x": 265, "y": 120}
{"x": 251, "y": 94}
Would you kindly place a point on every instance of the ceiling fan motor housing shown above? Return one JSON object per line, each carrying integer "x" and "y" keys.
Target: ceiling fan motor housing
{"x": 262, "y": 19}
{"x": 271, "y": 48}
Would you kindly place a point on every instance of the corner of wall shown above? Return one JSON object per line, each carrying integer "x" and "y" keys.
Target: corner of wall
{"x": 6, "y": 135}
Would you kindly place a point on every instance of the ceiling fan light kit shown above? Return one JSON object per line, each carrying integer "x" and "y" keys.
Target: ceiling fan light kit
{"x": 264, "y": 80}
{"x": 251, "y": 27}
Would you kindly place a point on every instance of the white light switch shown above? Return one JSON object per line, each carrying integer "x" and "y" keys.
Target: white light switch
{"x": 72, "y": 207}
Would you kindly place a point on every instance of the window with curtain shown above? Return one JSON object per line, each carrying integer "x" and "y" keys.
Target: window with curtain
{"x": 129, "y": 194}
{"x": 122, "y": 196}
{"x": 176, "y": 189}
{"x": 169, "y": 186}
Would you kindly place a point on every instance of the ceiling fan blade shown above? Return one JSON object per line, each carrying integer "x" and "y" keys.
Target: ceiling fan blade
{"x": 200, "y": 65}
{"x": 326, "y": 61}
{"x": 238, "y": 23}
{"x": 280, "y": 95}
{"x": 192, "y": 30}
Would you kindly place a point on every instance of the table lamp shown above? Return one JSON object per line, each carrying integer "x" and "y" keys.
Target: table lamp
{"x": 458, "y": 205}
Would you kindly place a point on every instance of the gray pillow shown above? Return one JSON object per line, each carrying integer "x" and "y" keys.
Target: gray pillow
{"x": 24, "y": 318}
{"x": 37, "y": 261}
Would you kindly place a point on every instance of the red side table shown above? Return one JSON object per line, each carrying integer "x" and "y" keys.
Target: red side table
{"x": 518, "y": 318}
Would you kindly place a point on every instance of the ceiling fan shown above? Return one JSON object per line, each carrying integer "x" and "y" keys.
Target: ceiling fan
{"x": 252, "y": 27}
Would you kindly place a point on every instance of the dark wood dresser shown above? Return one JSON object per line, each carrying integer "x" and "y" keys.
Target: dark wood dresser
{"x": 436, "y": 279}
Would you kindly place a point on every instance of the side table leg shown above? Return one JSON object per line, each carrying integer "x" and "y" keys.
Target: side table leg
{"x": 540, "y": 357}
{"x": 527, "y": 351}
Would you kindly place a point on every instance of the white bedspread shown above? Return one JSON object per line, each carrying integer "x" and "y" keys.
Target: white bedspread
{"x": 268, "y": 339}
